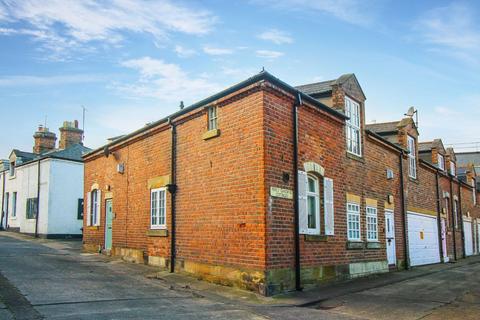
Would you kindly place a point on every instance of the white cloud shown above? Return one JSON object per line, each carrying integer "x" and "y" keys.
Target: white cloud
{"x": 276, "y": 36}
{"x": 165, "y": 81}
{"x": 453, "y": 30}
{"x": 357, "y": 12}
{"x": 268, "y": 54}
{"x": 213, "y": 51}
{"x": 14, "y": 81}
{"x": 183, "y": 52}
{"x": 81, "y": 22}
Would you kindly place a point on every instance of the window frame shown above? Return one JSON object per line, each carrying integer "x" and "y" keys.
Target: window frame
{"x": 356, "y": 215}
{"x": 31, "y": 204}
{"x": 455, "y": 211}
{"x": 441, "y": 162}
{"x": 316, "y": 196}
{"x": 474, "y": 192}
{"x": 412, "y": 157}
{"x": 371, "y": 213}
{"x": 6, "y": 202}
{"x": 158, "y": 225}
{"x": 453, "y": 168}
{"x": 94, "y": 208}
{"x": 353, "y": 127}
{"x": 212, "y": 118}
{"x": 12, "y": 170}
{"x": 14, "y": 205}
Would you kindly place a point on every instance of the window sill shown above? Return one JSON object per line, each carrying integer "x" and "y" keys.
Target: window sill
{"x": 316, "y": 238}
{"x": 374, "y": 245}
{"x": 157, "y": 233}
{"x": 211, "y": 134}
{"x": 355, "y": 245}
{"x": 353, "y": 156}
{"x": 93, "y": 228}
{"x": 414, "y": 180}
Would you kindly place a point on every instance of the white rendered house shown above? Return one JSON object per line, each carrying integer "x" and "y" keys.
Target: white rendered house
{"x": 42, "y": 191}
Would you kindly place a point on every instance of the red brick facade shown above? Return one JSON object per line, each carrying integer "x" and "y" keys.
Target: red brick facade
{"x": 230, "y": 227}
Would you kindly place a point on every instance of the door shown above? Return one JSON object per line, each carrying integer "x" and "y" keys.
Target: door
{"x": 444, "y": 240}
{"x": 390, "y": 237}
{"x": 423, "y": 241}
{"x": 467, "y": 228}
{"x": 108, "y": 224}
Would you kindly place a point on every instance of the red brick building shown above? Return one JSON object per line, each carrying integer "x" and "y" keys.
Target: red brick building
{"x": 266, "y": 187}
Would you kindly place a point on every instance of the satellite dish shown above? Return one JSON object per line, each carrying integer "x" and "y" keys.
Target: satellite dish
{"x": 410, "y": 112}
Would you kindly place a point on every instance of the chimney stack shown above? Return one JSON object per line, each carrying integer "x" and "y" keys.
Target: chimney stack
{"x": 70, "y": 134}
{"x": 44, "y": 140}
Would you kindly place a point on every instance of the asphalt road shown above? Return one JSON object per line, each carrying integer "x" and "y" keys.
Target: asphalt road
{"x": 42, "y": 279}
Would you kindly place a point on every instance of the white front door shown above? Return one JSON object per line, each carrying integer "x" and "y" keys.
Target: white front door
{"x": 390, "y": 237}
{"x": 444, "y": 240}
{"x": 467, "y": 229}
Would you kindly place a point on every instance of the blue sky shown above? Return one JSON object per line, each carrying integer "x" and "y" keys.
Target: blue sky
{"x": 131, "y": 62}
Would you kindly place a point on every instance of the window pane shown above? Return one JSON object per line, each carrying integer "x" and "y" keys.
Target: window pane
{"x": 312, "y": 185}
{"x": 312, "y": 224}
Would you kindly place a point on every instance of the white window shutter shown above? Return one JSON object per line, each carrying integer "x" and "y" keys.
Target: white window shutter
{"x": 329, "y": 208}
{"x": 302, "y": 203}
{"x": 89, "y": 207}
{"x": 99, "y": 206}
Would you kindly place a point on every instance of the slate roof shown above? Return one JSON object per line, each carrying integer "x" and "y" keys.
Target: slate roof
{"x": 468, "y": 157}
{"x": 323, "y": 86}
{"x": 73, "y": 153}
{"x": 25, "y": 156}
{"x": 383, "y": 127}
{"x": 4, "y": 165}
{"x": 425, "y": 146}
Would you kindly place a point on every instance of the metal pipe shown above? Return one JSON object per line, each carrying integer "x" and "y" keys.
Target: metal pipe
{"x": 3, "y": 204}
{"x": 38, "y": 199}
{"x": 453, "y": 220}
{"x": 298, "y": 285}
{"x": 439, "y": 219}
{"x": 172, "y": 190}
{"x": 404, "y": 212}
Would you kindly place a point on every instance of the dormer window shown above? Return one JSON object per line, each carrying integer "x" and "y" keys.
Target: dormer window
{"x": 12, "y": 169}
{"x": 441, "y": 162}
{"x": 412, "y": 157}
{"x": 354, "y": 135}
{"x": 453, "y": 170}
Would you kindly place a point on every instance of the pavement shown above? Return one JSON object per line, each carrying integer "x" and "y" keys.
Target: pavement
{"x": 53, "y": 279}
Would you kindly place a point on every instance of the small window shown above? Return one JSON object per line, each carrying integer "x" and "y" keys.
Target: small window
{"x": 7, "y": 198}
{"x": 158, "y": 208}
{"x": 353, "y": 221}
{"x": 455, "y": 213}
{"x": 441, "y": 162}
{"x": 32, "y": 208}
{"x": 474, "y": 193}
{"x": 372, "y": 230}
{"x": 353, "y": 127}
{"x": 212, "y": 118}
{"x": 412, "y": 157}
{"x": 453, "y": 170}
{"x": 94, "y": 208}
{"x": 12, "y": 169}
{"x": 447, "y": 201}
{"x": 14, "y": 205}
{"x": 313, "y": 203}
{"x": 80, "y": 209}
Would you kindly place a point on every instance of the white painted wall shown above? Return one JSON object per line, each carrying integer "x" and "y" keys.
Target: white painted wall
{"x": 66, "y": 187}
{"x": 61, "y": 185}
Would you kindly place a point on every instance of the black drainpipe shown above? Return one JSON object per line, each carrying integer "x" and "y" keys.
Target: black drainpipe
{"x": 404, "y": 212}
{"x": 3, "y": 204}
{"x": 439, "y": 219}
{"x": 461, "y": 218}
{"x": 172, "y": 188}
{"x": 298, "y": 101}
{"x": 38, "y": 198}
{"x": 453, "y": 220}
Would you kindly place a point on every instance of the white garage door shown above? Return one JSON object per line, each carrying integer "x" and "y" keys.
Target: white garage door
{"x": 423, "y": 239}
{"x": 467, "y": 228}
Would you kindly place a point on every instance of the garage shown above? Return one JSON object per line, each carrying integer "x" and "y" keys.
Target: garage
{"x": 423, "y": 245}
{"x": 467, "y": 229}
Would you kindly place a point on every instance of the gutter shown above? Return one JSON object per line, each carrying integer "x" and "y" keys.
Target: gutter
{"x": 404, "y": 212}
{"x": 172, "y": 188}
{"x": 439, "y": 220}
{"x": 38, "y": 198}
{"x": 298, "y": 285}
